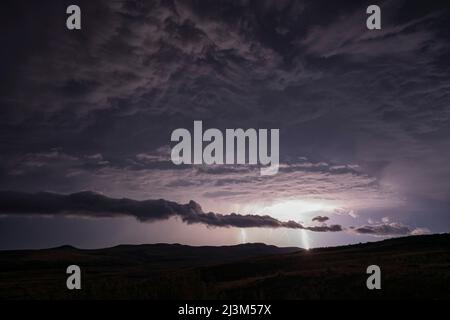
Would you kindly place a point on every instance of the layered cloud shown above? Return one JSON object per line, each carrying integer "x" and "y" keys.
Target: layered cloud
{"x": 154, "y": 174}
{"x": 388, "y": 229}
{"x": 338, "y": 92}
{"x": 92, "y": 204}
{"x": 363, "y": 115}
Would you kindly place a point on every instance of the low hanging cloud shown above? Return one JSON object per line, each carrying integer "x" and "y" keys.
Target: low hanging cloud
{"x": 92, "y": 204}
{"x": 320, "y": 218}
{"x": 388, "y": 229}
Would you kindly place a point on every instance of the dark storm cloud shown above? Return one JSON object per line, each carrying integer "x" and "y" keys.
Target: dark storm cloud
{"x": 274, "y": 62}
{"x": 95, "y": 205}
{"x": 149, "y": 56}
{"x": 85, "y": 110}
{"x": 138, "y": 69}
{"x": 67, "y": 173}
{"x": 320, "y": 218}
{"x": 388, "y": 229}
{"x": 325, "y": 228}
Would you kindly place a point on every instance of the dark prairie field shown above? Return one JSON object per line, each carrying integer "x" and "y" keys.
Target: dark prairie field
{"x": 412, "y": 267}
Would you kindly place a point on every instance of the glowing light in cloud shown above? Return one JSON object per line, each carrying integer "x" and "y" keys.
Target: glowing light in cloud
{"x": 292, "y": 209}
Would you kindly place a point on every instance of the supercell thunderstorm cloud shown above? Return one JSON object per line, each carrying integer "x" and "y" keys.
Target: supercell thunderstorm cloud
{"x": 86, "y": 118}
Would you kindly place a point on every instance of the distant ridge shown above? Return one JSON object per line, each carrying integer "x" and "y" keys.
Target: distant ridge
{"x": 412, "y": 267}
{"x": 406, "y": 240}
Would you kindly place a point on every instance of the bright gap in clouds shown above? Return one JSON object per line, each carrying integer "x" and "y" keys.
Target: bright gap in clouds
{"x": 298, "y": 210}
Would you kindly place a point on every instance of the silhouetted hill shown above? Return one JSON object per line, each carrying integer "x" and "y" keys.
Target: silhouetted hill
{"x": 412, "y": 267}
{"x": 156, "y": 256}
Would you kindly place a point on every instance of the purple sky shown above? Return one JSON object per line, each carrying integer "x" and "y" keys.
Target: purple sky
{"x": 363, "y": 117}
